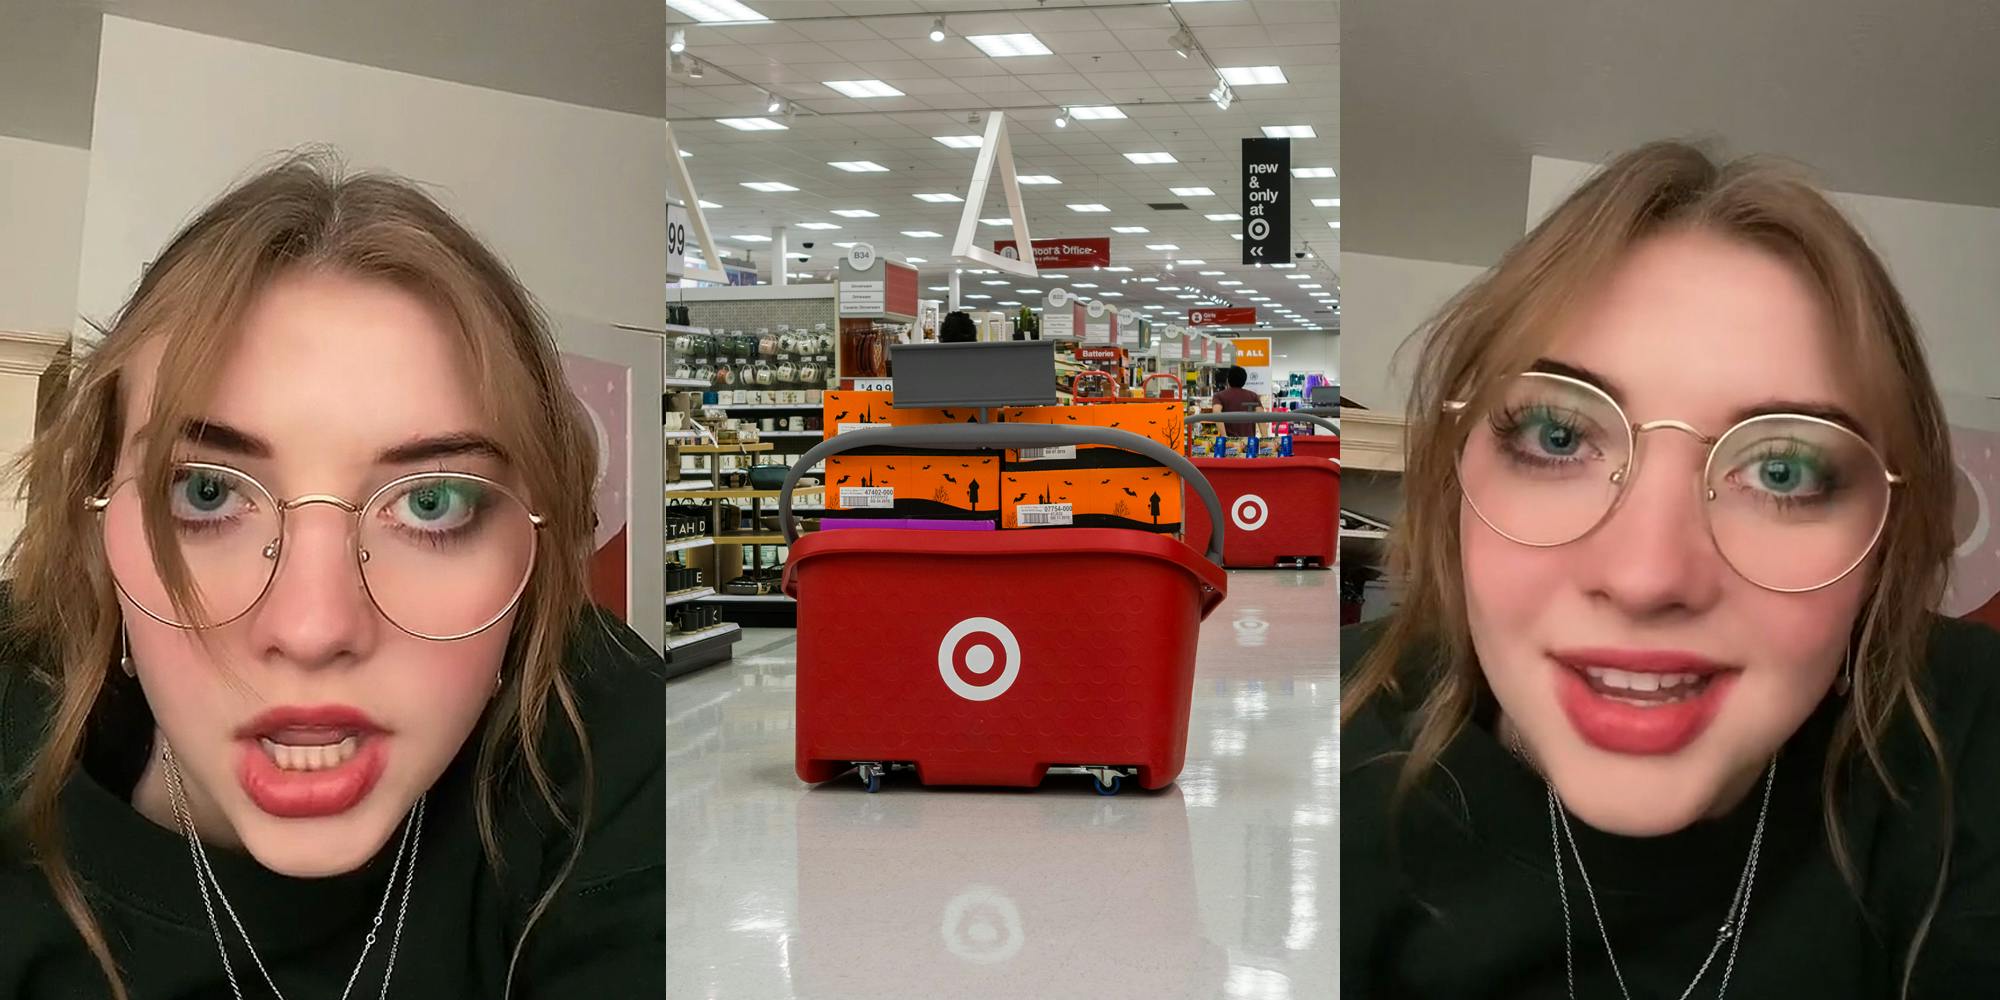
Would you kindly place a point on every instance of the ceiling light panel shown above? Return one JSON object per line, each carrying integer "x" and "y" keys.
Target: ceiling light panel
{"x": 1009, "y": 46}
{"x": 1251, "y": 76}
{"x": 864, "y": 88}
{"x": 752, "y": 124}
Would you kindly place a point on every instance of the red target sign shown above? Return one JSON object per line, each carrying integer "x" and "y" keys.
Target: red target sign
{"x": 979, "y": 659}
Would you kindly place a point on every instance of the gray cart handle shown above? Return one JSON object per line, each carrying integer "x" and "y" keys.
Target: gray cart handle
{"x": 958, "y": 437}
{"x": 1266, "y": 417}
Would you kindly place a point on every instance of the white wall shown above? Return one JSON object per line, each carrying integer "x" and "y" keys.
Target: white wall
{"x": 1383, "y": 302}
{"x": 41, "y": 233}
{"x": 1303, "y": 351}
{"x": 1945, "y": 259}
{"x": 568, "y": 195}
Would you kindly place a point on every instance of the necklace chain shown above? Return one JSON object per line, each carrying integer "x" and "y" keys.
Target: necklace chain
{"x": 204, "y": 876}
{"x": 1733, "y": 921}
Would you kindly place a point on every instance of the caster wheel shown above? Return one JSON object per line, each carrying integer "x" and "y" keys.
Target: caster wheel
{"x": 1109, "y": 789}
{"x": 874, "y": 783}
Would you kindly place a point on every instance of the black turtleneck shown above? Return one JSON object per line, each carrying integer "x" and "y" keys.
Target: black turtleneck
{"x": 1456, "y": 896}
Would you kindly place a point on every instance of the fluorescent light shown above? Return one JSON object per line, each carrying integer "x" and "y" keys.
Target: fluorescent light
{"x": 921, "y": 234}
{"x": 1008, "y": 46}
{"x": 1149, "y": 158}
{"x": 751, "y": 238}
{"x": 1333, "y": 224}
{"x": 981, "y": 298}
{"x": 848, "y": 245}
{"x": 1282, "y": 267}
{"x": 855, "y": 213}
{"x": 1031, "y": 179}
{"x": 864, "y": 88}
{"x": 1191, "y": 263}
{"x": 938, "y": 197}
{"x": 1294, "y": 277}
{"x": 769, "y": 187}
{"x": 1163, "y": 246}
{"x": 1309, "y": 286}
{"x": 1130, "y": 230}
{"x": 1290, "y": 132}
{"x": 1229, "y": 284}
{"x": 960, "y": 141}
{"x": 1192, "y": 192}
{"x": 1089, "y": 207}
{"x": 1326, "y": 202}
{"x": 859, "y": 166}
{"x": 915, "y": 260}
{"x": 818, "y": 225}
{"x": 1223, "y": 217}
{"x": 1238, "y": 237}
{"x": 1083, "y": 284}
{"x": 1309, "y": 172}
{"x": 1009, "y": 302}
{"x": 1149, "y": 281}
{"x": 940, "y": 288}
{"x": 1212, "y": 274}
{"x": 1095, "y": 113}
{"x": 716, "y": 10}
{"x": 1118, "y": 270}
{"x": 752, "y": 124}
{"x": 1008, "y": 221}
{"x": 1249, "y": 76}
{"x": 685, "y": 154}
{"x": 993, "y": 284}
{"x": 1028, "y": 291}
{"x": 1188, "y": 298}
{"x": 1111, "y": 295}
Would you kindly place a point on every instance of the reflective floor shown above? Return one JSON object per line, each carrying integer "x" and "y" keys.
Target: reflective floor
{"x": 1221, "y": 885}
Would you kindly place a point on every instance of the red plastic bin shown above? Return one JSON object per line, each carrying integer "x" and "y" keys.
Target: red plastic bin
{"x": 971, "y": 656}
{"x": 1316, "y": 446}
{"x": 1275, "y": 510}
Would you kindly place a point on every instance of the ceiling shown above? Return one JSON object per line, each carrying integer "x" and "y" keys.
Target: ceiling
{"x": 1103, "y": 53}
{"x": 596, "y": 53}
{"x": 1446, "y": 100}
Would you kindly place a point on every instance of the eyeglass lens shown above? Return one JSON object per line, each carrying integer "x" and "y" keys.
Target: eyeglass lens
{"x": 440, "y": 556}
{"x": 1796, "y": 502}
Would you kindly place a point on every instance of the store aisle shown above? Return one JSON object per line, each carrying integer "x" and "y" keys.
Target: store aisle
{"x": 1222, "y": 885}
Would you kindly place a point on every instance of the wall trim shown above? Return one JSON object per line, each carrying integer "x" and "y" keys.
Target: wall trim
{"x": 26, "y": 353}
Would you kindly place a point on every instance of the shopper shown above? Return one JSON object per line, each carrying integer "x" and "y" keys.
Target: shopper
{"x": 1237, "y": 399}
{"x": 958, "y": 328}
{"x": 1666, "y": 708}
{"x": 370, "y": 736}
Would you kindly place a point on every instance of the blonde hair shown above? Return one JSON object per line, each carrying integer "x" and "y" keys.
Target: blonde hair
{"x": 1500, "y": 324}
{"x": 301, "y": 214}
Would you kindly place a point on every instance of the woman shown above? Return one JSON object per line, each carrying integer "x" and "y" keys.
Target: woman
{"x": 1666, "y": 710}
{"x": 303, "y": 696}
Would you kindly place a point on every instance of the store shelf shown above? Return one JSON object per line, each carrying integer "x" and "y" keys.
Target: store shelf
{"x": 687, "y": 383}
{"x": 770, "y": 406}
{"x": 682, "y": 544}
{"x": 683, "y": 435}
{"x": 675, "y": 328}
{"x": 749, "y": 494}
{"x": 751, "y": 599}
{"x": 685, "y": 639}
{"x": 770, "y": 538}
{"x": 791, "y": 434}
{"x": 691, "y": 594}
{"x": 689, "y": 486}
{"x": 725, "y": 449}
{"x": 1371, "y": 441}
{"x": 1368, "y": 534}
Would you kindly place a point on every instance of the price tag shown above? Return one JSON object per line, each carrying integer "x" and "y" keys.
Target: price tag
{"x": 676, "y": 241}
{"x": 1043, "y": 515}
{"x": 1065, "y": 453}
{"x": 867, "y": 497}
{"x": 845, "y": 428}
{"x": 874, "y": 385}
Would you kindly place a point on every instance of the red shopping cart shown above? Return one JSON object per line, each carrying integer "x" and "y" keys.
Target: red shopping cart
{"x": 1281, "y": 511}
{"x": 1319, "y": 445}
{"x": 994, "y": 658}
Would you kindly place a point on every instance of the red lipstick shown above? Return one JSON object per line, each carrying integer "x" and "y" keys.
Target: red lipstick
{"x": 303, "y": 762}
{"x": 1637, "y": 701}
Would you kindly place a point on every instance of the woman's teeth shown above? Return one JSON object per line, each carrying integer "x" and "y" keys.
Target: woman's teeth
{"x": 311, "y": 758}
{"x": 1637, "y": 688}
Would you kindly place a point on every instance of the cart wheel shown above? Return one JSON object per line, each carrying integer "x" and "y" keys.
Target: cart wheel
{"x": 1108, "y": 789}
{"x": 874, "y": 783}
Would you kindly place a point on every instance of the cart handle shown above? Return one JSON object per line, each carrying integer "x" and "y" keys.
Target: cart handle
{"x": 958, "y": 437}
{"x": 1286, "y": 416}
{"x": 1322, "y": 411}
{"x": 1173, "y": 380}
{"x": 1107, "y": 376}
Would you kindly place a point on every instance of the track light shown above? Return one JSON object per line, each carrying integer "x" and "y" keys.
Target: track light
{"x": 1222, "y": 94}
{"x": 674, "y": 64}
{"x": 1062, "y": 118}
{"x": 694, "y": 70}
{"x": 771, "y": 103}
{"x": 1181, "y": 42}
{"x": 680, "y": 42}
{"x": 937, "y": 30}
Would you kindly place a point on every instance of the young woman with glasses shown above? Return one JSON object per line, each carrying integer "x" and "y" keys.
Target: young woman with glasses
{"x": 302, "y": 694}
{"x": 1666, "y": 710}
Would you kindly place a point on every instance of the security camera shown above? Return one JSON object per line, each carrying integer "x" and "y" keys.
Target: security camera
{"x": 1300, "y": 255}
{"x": 808, "y": 246}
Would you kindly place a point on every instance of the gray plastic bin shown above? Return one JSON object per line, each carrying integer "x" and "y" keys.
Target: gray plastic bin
{"x": 1001, "y": 373}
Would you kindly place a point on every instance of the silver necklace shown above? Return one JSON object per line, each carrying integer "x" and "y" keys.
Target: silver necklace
{"x": 1731, "y": 931}
{"x": 204, "y": 877}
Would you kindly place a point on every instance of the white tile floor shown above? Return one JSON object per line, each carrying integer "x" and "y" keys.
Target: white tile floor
{"x": 1222, "y": 885}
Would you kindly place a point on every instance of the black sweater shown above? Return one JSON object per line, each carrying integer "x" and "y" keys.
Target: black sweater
{"x": 603, "y": 936}
{"x": 1459, "y": 900}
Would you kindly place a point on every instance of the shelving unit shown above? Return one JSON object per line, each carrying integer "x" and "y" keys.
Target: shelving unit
{"x": 690, "y": 594}
{"x": 683, "y": 544}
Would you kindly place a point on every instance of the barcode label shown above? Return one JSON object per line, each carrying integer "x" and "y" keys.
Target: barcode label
{"x": 1064, "y": 453}
{"x": 867, "y": 497}
{"x": 845, "y": 428}
{"x": 1042, "y": 515}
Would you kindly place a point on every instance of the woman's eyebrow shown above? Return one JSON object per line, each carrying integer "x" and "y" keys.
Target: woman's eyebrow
{"x": 456, "y": 445}
{"x": 222, "y": 437}
{"x": 1825, "y": 411}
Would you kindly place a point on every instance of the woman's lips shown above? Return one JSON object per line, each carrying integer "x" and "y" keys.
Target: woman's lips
{"x": 306, "y": 762}
{"x": 1640, "y": 701}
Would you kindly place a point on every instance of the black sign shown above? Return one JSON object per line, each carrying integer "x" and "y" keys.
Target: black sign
{"x": 1267, "y": 201}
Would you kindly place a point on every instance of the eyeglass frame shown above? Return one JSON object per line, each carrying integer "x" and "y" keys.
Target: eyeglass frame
{"x": 98, "y": 504}
{"x": 1621, "y": 478}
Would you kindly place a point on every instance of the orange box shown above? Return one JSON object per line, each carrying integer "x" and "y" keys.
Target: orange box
{"x": 905, "y": 483}
{"x": 1096, "y": 485}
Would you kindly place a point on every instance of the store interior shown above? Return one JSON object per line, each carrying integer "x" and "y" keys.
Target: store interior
{"x": 844, "y": 157}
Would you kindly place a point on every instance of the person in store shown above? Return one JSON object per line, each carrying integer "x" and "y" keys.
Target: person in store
{"x": 958, "y": 328}
{"x": 300, "y": 691}
{"x": 1667, "y": 708}
{"x": 1236, "y": 398}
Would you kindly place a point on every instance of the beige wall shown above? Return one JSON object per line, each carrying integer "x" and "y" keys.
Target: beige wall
{"x": 1383, "y": 301}
{"x": 41, "y": 233}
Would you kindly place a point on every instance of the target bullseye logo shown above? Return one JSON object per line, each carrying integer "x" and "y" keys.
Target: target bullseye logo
{"x": 982, "y": 925}
{"x": 978, "y": 659}
{"x": 1259, "y": 229}
{"x": 1249, "y": 512}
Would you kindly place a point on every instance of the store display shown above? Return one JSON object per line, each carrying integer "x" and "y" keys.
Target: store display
{"x": 1280, "y": 510}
